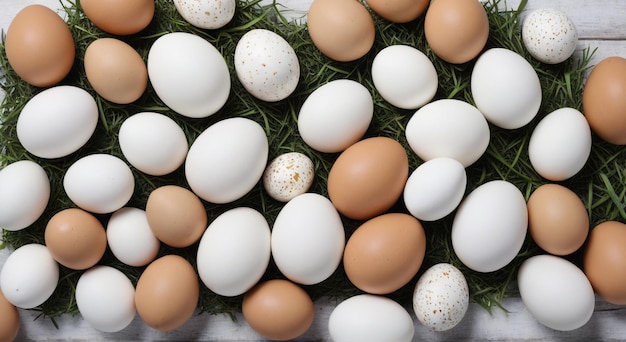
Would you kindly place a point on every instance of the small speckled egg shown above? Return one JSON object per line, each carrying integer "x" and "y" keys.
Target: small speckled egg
{"x": 288, "y": 175}
{"x": 206, "y": 14}
{"x": 549, "y": 35}
{"x": 441, "y": 297}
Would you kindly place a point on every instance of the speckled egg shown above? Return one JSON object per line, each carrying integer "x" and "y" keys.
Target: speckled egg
{"x": 288, "y": 175}
{"x": 206, "y": 14}
{"x": 549, "y": 35}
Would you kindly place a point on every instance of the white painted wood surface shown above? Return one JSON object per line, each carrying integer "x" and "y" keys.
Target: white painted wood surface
{"x": 601, "y": 24}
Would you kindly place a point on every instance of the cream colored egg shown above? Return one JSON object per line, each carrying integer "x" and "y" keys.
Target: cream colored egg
{"x": 288, "y": 175}
{"x": 206, "y": 14}
{"x": 549, "y": 35}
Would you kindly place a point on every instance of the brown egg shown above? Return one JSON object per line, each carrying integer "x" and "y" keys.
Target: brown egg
{"x": 76, "y": 239}
{"x": 604, "y": 261}
{"x": 398, "y": 11}
{"x": 120, "y": 17}
{"x": 115, "y": 70}
{"x": 557, "y": 219}
{"x": 9, "y": 320}
{"x": 39, "y": 46}
{"x": 342, "y": 30}
{"x": 278, "y": 309}
{"x": 167, "y": 293}
{"x": 385, "y": 253}
{"x": 456, "y": 30}
{"x": 604, "y": 100}
{"x": 176, "y": 215}
{"x": 368, "y": 177}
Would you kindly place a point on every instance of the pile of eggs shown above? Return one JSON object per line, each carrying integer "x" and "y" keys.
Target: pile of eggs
{"x": 307, "y": 241}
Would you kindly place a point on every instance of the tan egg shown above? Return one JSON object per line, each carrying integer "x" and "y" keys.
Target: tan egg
{"x": 120, "y": 17}
{"x": 557, "y": 219}
{"x": 398, "y": 11}
{"x": 75, "y": 238}
{"x": 167, "y": 293}
{"x": 115, "y": 70}
{"x": 278, "y": 309}
{"x": 385, "y": 253}
{"x": 9, "y": 319}
{"x": 456, "y": 30}
{"x": 39, "y": 46}
{"x": 176, "y": 216}
{"x": 342, "y": 30}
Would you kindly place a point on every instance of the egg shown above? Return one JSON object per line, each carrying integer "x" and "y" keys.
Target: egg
{"x": 75, "y": 238}
{"x": 266, "y": 65}
{"x": 487, "y": 242}
{"x": 456, "y": 30}
{"x": 308, "y": 239}
{"x": 10, "y": 325}
{"x": 368, "y": 178}
{"x": 385, "y": 253}
{"x": 106, "y": 298}
{"x": 555, "y": 292}
{"x": 130, "y": 238}
{"x": 57, "y": 121}
{"x": 176, "y": 215}
{"x": 288, "y": 175}
{"x": 39, "y": 46}
{"x": 115, "y": 70}
{"x": 278, "y": 310}
{"x": 167, "y": 293}
{"x": 441, "y": 297}
{"x": 398, "y": 11}
{"x": 188, "y": 74}
{"x": 335, "y": 115}
{"x": 342, "y": 30}
{"x": 119, "y": 17}
{"x": 448, "y": 128}
{"x": 24, "y": 194}
{"x": 207, "y": 14}
{"x": 505, "y": 88}
{"x": 549, "y": 35}
{"x": 29, "y": 276}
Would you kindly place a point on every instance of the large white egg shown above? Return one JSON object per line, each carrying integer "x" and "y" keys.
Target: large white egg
{"x": 207, "y": 14}
{"x": 24, "y": 194}
{"x": 57, "y": 121}
{"x": 549, "y": 35}
{"x": 130, "y": 238}
{"x": 308, "y": 239}
{"x": 188, "y": 74}
{"x": 556, "y": 292}
{"x": 448, "y": 128}
{"x": 234, "y": 251}
{"x": 560, "y": 144}
{"x": 227, "y": 160}
{"x": 490, "y": 226}
{"x": 335, "y": 115}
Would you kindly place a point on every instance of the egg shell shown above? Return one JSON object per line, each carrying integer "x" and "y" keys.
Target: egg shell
{"x": 555, "y": 292}
{"x": 549, "y": 35}
{"x": 153, "y": 143}
{"x": 441, "y": 297}
{"x": 288, "y": 175}
{"x": 119, "y": 17}
{"x": 227, "y": 160}
{"x": 335, "y": 116}
{"x": 188, "y": 74}
{"x": 10, "y": 324}
{"x": 234, "y": 251}
{"x": 29, "y": 276}
{"x": 448, "y": 128}
{"x": 368, "y": 317}
{"x": 99, "y": 183}
{"x": 560, "y": 144}
{"x": 435, "y": 188}
{"x": 130, "y": 238}
{"x": 57, "y": 121}
{"x": 207, "y": 14}
{"x": 489, "y": 226}
{"x": 266, "y": 65}
{"x": 308, "y": 239}
{"x": 39, "y": 46}
{"x": 505, "y": 88}
{"x": 106, "y": 298}
{"x": 399, "y": 11}
{"x": 24, "y": 194}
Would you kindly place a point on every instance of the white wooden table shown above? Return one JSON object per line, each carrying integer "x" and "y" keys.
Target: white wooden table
{"x": 600, "y": 23}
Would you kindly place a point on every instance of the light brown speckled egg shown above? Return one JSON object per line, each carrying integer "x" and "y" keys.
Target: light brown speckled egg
{"x": 288, "y": 175}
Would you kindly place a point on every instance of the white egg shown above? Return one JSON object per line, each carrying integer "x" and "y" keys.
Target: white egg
{"x": 448, "y": 128}
{"x": 335, "y": 115}
{"x": 505, "y": 88}
{"x": 130, "y": 238}
{"x": 266, "y": 65}
{"x": 288, "y": 175}
{"x": 57, "y": 121}
{"x": 24, "y": 194}
{"x": 549, "y": 35}
{"x": 106, "y": 298}
{"x": 207, "y": 14}
{"x": 441, "y": 297}
{"x": 560, "y": 144}
{"x": 188, "y": 74}
{"x": 404, "y": 76}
